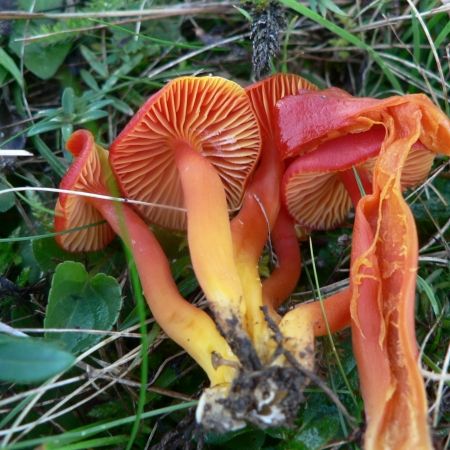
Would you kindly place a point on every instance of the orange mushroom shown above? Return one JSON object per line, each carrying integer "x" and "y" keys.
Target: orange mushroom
{"x": 384, "y": 256}
{"x": 333, "y": 124}
{"x": 258, "y": 216}
{"x": 319, "y": 187}
{"x": 187, "y": 325}
{"x": 190, "y": 144}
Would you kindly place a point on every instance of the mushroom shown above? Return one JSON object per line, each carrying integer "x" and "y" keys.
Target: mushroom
{"x": 384, "y": 256}
{"x": 190, "y": 144}
{"x": 187, "y": 325}
{"x": 319, "y": 186}
{"x": 258, "y": 216}
{"x": 383, "y": 279}
{"x": 283, "y": 279}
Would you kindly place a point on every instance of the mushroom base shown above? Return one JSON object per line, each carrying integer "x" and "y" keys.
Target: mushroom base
{"x": 266, "y": 398}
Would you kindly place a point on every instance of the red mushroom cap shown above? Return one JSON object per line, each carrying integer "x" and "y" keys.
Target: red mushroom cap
{"x": 313, "y": 189}
{"x": 88, "y": 173}
{"x": 266, "y": 93}
{"x": 210, "y": 114}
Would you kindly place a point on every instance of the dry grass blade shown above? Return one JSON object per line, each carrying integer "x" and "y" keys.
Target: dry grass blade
{"x": 194, "y": 53}
{"x": 432, "y": 47}
{"x": 143, "y": 14}
{"x": 400, "y": 18}
{"x": 444, "y": 377}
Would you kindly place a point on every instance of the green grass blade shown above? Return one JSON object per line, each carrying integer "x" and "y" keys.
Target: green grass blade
{"x": 57, "y": 166}
{"x": 140, "y": 303}
{"x": 8, "y": 63}
{"x": 425, "y": 287}
{"x": 330, "y": 337}
{"x": 90, "y": 431}
{"x": 93, "y": 443}
{"x": 344, "y": 34}
{"x": 47, "y": 235}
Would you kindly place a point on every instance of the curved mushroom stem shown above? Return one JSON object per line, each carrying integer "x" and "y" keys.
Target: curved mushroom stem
{"x": 187, "y": 325}
{"x": 336, "y": 308}
{"x": 250, "y": 229}
{"x": 210, "y": 241}
{"x": 284, "y": 278}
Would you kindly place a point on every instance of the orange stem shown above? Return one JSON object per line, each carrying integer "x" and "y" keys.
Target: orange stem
{"x": 283, "y": 280}
{"x": 187, "y": 325}
{"x": 209, "y": 236}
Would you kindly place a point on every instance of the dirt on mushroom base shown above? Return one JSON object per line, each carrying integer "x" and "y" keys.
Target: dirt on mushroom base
{"x": 263, "y": 395}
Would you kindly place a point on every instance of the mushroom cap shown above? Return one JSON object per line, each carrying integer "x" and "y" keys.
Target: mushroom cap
{"x": 332, "y": 112}
{"x": 417, "y": 166}
{"x": 311, "y": 117}
{"x": 312, "y": 189}
{"x": 213, "y": 116}
{"x": 265, "y": 94}
{"x": 88, "y": 173}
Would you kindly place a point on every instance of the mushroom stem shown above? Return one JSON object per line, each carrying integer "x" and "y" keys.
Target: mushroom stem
{"x": 336, "y": 308}
{"x": 383, "y": 279}
{"x": 209, "y": 236}
{"x": 187, "y": 325}
{"x": 284, "y": 278}
{"x": 348, "y": 178}
{"x": 250, "y": 229}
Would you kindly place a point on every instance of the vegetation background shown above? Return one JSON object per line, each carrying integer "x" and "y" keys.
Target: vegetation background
{"x": 71, "y": 64}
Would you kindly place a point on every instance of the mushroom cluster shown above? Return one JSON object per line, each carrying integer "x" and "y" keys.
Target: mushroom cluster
{"x": 237, "y": 168}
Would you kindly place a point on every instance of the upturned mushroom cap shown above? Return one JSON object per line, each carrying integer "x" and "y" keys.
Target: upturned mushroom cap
{"x": 331, "y": 113}
{"x": 210, "y": 114}
{"x": 265, "y": 94}
{"x": 312, "y": 187}
{"x": 88, "y": 173}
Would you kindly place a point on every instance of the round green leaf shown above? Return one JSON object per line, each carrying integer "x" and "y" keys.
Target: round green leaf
{"x": 79, "y": 301}
{"x": 27, "y": 360}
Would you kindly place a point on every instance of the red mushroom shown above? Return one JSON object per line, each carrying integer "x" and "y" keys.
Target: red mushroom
{"x": 187, "y": 325}
{"x": 253, "y": 224}
{"x": 384, "y": 258}
{"x": 320, "y": 187}
{"x": 189, "y": 144}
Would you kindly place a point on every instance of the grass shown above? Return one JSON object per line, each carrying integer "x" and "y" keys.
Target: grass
{"x": 132, "y": 387}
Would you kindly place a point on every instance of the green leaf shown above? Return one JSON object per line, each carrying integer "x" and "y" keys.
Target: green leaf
{"x": 27, "y": 360}
{"x": 93, "y": 115}
{"x": 43, "y": 127}
{"x": 49, "y": 254}
{"x": 316, "y": 434}
{"x": 8, "y": 64}
{"x": 54, "y": 162}
{"x": 7, "y": 201}
{"x": 121, "y": 106}
{"x": 42, "y": 60}
{"x": 77, "y": 300}
{"x": 93, "y": 61}
{"x": 89, "y": 80}
{"x": 3, "y": 74}
{"x": 68, "y": 101}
